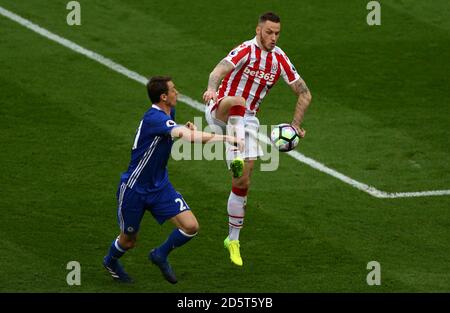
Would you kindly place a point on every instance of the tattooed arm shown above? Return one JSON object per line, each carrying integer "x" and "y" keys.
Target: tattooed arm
{"x": 219, "y": 72}
{"x": 303, "y": 101}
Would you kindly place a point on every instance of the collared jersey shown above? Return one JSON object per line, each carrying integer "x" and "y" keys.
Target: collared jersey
{"x": 255, "y": 72}
{"x": 147, "y": 171}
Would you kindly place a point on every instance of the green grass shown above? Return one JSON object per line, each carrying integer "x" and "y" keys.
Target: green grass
{"x": 380, "y": 114}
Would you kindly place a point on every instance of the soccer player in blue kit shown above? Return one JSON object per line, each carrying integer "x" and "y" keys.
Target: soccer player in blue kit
{"x": 145, "y": 186}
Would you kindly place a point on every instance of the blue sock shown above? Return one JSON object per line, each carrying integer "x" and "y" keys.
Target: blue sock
{"x": 115, "y": 251}
{"x": 176, "y": 239}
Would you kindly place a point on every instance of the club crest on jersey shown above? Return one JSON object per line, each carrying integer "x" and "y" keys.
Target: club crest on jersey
{"x": 170, "y": 123}
{"x": 274, "y": 68}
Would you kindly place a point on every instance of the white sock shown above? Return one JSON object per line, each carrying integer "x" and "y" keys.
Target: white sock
{"x": 236, "y": 128}
{"x": 236, "y": 213}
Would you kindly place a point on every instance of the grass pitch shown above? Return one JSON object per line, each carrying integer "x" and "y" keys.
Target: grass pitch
{"x": 380, "y": 114}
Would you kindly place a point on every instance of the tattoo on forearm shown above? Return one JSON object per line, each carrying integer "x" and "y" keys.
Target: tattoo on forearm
{"x": 304, "y": 97}
{"x": 300, "y": 87}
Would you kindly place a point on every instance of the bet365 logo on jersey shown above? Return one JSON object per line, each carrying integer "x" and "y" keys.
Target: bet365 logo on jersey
{"x": 260, "y": 74}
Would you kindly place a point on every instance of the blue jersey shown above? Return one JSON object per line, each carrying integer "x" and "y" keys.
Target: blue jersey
{"x": 147, "y": 171}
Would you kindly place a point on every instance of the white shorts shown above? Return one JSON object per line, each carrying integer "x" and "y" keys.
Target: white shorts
{"x": 251, "y": 123}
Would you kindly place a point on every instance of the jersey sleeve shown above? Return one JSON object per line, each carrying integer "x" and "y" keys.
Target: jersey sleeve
{"x": 159, "y": 124}
{"x": 238, "y": 55}
{"x": 288, "y": 70}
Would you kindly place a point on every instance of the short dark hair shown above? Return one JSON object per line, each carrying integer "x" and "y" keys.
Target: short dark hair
{"x": 156, "y": 86}
{"x": 269, "y": 16}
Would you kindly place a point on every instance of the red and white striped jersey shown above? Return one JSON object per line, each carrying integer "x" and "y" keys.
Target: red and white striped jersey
{"x": 255, "y": 72}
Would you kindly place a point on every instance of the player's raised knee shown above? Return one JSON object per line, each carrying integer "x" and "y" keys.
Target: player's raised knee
{"x": 240, "y": 101}
{"x": 234, "y": 100}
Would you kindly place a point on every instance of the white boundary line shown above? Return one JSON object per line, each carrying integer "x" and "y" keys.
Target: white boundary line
{"x": 200, "y": 107}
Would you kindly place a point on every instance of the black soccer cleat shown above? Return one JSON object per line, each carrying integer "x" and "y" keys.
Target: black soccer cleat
{"x": 163, "y": 265}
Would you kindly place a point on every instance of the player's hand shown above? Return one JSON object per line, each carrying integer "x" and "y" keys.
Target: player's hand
{"x": 300, "y": 131}
{"x": 191, "y": 125}
{"x": 208, "y": 95}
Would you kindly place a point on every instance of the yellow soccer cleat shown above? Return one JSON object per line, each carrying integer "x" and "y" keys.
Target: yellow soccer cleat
{"x": 237, "y": 167}
{"x": 233, "y": 248}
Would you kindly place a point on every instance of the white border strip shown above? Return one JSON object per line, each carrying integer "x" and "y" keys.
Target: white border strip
{"x": 200, "y": 107}
{"x": 73, "y": 46}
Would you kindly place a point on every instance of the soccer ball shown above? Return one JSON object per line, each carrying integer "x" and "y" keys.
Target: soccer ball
{"x": 284, "y": 137}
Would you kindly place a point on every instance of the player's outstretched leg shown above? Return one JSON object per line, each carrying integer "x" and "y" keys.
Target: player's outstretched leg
{"x": 236, "y": 213}
{"x": 159, "y": 255}
{"x": 187, "y": 228}
{"x": 112, "y": 265}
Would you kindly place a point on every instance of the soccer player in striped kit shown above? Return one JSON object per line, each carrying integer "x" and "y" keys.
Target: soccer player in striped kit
{"x": 236, "y": 88}
{"x": 145, "y": 186}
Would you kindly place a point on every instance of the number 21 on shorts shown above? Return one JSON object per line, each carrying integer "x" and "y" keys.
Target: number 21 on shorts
{"x": 181, "y": 203}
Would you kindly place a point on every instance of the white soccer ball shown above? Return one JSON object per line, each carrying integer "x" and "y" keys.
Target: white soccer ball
{"x": 284, "y": 137}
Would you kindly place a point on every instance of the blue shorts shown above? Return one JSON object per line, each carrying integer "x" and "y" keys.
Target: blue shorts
{"x": 163, "y": 204}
